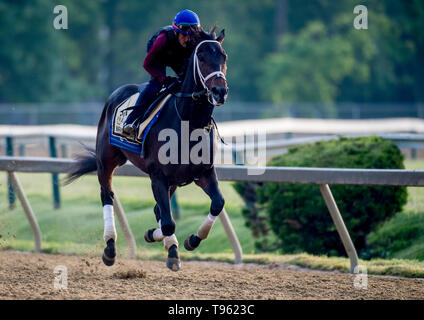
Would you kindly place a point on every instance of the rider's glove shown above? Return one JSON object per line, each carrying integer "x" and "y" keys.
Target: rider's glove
{"x": 168, "y": 81}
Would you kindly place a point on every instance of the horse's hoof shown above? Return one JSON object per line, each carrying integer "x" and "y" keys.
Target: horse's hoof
{"x": 192, "y": 242}
{"x": 107, "y": 261}
{"x": 173, "y": 261}
{"x": 148, "y": 235}
{"x": 109, "y": 254}
{"x": 173, "y": 264}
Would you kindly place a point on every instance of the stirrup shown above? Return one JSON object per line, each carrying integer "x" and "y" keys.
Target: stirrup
{"x": 129, "y": 129}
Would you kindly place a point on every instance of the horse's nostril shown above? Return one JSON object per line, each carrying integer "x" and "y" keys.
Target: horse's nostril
{"x": 219, "y": 91}
{"x": 224, "y": 91}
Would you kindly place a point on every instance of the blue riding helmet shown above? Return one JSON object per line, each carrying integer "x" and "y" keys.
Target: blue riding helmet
{"x": 185, "y": 21}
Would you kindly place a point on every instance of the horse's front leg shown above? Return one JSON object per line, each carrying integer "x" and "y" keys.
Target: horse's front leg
{"x": 209, "y": 184}
{"x": 162, "y": 193}
{"x": 155, "y": 234}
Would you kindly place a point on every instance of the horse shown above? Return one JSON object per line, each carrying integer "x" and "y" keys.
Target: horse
{"x": 203, "y": 88}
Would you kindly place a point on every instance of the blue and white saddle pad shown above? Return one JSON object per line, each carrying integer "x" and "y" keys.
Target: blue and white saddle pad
{"x": 132, "y": 144}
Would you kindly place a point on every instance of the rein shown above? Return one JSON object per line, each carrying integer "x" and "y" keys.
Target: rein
{"x": 211, "y": 124}
{"x": 194, "y": 95}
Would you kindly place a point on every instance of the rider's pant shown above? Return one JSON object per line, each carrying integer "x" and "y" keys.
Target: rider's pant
{"x": 146, "y": 96}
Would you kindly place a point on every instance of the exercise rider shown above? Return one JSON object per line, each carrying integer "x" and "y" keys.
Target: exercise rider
{"x": 167, "y": 48}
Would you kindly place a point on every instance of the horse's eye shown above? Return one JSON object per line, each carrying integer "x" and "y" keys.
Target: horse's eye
{"x": 201, "y": 57}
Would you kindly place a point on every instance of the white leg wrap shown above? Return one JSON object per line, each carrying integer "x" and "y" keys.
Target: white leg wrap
{"x": 158, "y": 235}
{"x": 206, "y": 227}
{"x": 109, "y": 220}
{"x": 169, "y": 241}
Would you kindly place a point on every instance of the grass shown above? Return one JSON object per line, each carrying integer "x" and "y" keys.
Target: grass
{"x": 77, "y": 227}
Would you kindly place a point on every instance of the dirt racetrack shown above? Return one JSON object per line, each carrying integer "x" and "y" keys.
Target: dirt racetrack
{"x": 31, "y": 276}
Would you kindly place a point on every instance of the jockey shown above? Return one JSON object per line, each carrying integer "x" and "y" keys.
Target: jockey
{"x": 168, "y": 47}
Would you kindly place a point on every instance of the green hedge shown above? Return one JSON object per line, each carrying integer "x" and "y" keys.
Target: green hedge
{"x": 297, "y": 214}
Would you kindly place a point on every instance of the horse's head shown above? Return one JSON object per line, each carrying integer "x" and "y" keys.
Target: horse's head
{"x": 210, "y": 65}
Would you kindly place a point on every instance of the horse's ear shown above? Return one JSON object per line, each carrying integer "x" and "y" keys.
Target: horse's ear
{"x": 221, "y": 36}
{"x": 213, "y": 31}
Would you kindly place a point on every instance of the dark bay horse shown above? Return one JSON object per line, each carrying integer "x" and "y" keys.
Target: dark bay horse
{"x": 203, "y": 88}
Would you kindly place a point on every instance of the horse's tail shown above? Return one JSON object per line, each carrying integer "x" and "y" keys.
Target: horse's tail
{"x": 85, "y": 163}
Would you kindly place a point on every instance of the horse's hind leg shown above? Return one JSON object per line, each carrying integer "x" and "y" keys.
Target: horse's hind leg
{"x": 209, "y": 183}
{"x": 106, "y": 164}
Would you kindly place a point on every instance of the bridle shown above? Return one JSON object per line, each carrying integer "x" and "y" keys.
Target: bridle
{"x": 206, "y": 90}
{"x": 198, "y": 73}
{"x": 214, "y": 75}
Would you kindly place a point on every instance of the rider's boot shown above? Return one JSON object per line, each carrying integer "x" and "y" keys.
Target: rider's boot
{"x": 131, "y": 123}
{"x": 146, "y": 96}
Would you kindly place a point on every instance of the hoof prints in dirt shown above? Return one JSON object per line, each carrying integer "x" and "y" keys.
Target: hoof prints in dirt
{"x": 130, "y": 274}
{"x": 31, "y": 276}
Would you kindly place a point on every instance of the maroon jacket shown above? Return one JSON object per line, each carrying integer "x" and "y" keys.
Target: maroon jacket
{"x": 166, "y": 52}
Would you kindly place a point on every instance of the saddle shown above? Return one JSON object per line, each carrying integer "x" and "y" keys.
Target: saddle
{"x": 128, "y": 106}
{"x": 135, "y": 142}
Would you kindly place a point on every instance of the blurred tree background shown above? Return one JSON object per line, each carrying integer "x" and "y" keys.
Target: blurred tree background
{"x": 280, "y": 51}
